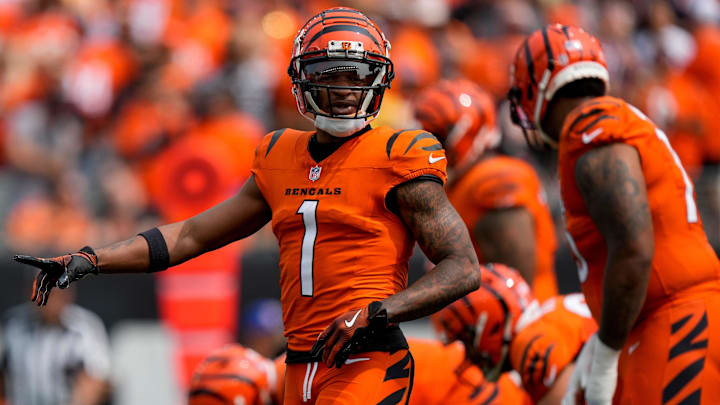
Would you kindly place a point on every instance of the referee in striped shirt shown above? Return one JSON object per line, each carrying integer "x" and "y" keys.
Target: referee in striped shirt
{"x": 54, "y": 355}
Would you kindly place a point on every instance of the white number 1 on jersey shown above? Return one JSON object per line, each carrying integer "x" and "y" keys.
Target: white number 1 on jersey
{"x": 308, "y": 209}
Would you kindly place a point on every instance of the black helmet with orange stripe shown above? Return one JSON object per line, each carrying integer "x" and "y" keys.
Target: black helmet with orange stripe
{"x": 340, "y": 43}
{"x": 462, "y": 116}
{"x": 549, "y": 59}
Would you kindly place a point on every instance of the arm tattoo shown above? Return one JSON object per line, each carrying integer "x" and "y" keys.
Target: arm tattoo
{"x": 443, "y": 237}
{"x": 120, "y": 245}
{"x": 611, "y": 181}
{"x": 615, "y": 199}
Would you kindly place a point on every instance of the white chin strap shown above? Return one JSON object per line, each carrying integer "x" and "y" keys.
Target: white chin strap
{"x": 340, "y": 127}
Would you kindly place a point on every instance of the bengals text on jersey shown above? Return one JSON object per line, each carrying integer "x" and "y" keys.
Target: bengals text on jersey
{"x": 341, "y": 245}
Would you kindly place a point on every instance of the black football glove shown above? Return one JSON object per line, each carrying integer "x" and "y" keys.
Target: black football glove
{"x": 59, "y": 271}
{"x": 348, "y": 333}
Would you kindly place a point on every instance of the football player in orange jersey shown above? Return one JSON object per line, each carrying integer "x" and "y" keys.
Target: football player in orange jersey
{"x": 444, "y": 376}
{"x": 504, "y": 329}
{"x": 648, "y": 273}
{"x": 500, "y": 198}
{"x": 236, "y": 375}
{"x": 347, "y": 203}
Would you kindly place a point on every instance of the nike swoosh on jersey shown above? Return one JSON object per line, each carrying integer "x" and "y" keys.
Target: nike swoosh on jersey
{"x": 587, "y": 138}
{"x": 352, "y": 321}
{"x": 632, "y": 348}
{"x": 432, "y": 159}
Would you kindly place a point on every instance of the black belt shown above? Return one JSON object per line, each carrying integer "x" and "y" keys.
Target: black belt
{"x": 390, "y": 340}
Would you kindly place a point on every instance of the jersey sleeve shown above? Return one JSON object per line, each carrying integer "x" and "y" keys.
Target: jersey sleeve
{"x": 263, "y": 149}
{"x": 601, "y": 122}
{"x": 414, "y": 154}
{"x": 539, "y": 357}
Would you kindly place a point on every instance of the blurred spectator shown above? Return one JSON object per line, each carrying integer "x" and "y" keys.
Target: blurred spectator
{"x": 97, "y": 74}
{"x": 57, "y": 355}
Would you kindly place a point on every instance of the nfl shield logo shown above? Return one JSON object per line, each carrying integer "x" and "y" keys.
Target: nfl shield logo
{"x": 315, "y": 173}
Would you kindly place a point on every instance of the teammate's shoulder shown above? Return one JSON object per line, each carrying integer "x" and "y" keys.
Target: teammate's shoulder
{"x": 271, "y": 140}
{"x": 602, "y": 120}
{"x": 502, "y": 182}
{"x": 407, "y": 142}
{"x": 507, "y": 165}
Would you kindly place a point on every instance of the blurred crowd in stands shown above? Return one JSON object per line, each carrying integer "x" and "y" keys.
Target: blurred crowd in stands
{"x": 119, "y": 114}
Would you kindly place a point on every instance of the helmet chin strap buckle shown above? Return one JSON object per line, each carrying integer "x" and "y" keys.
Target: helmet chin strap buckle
{"x": 340, "y": 127}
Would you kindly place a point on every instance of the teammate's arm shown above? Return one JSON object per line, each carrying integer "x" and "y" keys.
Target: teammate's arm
{"x": 233, "y": 219}
{"x": 507, "y": 236}
{"x": 555, "y": 394}
{"x": 444, "y": 238}
{"x": 611, "y": 182}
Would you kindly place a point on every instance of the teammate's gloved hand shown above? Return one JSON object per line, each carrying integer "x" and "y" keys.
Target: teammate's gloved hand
{"x": 60, "y": 271}
{"x": 595, "y": 373}
{"x": 348, "y": 332}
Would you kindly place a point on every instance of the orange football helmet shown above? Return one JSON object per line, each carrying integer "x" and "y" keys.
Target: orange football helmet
{"x": 550, "y": 58}
{"x": 462, "y": 116}
{"x": 485, "y": 320}
{"x": 340, "y": 41}
{"x": 233, "y": 375}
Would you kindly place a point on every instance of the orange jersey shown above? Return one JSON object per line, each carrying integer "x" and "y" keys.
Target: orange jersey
{"x": 440, "y": 378}
{"x": 340, "y": 246}
{"x": 683, "y": 257}
{"x": 544, "y": 346}
{"x": 503, "y": 182}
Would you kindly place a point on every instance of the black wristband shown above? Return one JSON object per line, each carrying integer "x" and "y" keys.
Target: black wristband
{"x": 159, "y": 254}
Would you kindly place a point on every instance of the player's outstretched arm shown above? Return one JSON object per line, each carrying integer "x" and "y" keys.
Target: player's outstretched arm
{"x": 233, "y": 219}
{"x": 444, "y": 238}
{"x": 168, "y": 245}
{"x": 611, "y": 182}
